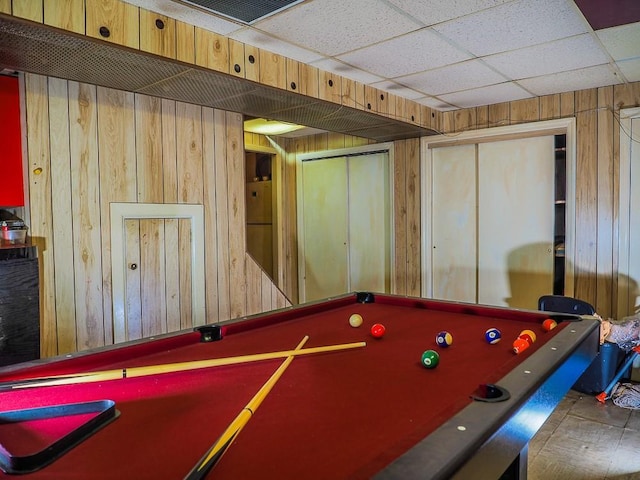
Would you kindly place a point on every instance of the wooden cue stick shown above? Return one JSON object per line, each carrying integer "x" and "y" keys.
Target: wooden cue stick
{"x": 221, "y": 445}
{"x": 117, "y": 374}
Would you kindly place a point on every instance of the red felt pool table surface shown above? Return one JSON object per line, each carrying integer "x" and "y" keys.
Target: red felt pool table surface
{"x": 347, "y": 414}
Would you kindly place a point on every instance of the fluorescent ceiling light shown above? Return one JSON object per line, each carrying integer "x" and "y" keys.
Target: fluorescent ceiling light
{"x": 270, "y": 127}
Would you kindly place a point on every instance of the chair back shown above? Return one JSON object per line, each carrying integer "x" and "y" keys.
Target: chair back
{"x": 562, "y": 304}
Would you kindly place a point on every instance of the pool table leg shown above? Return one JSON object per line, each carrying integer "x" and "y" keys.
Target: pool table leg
{"x": 518, "y": 468}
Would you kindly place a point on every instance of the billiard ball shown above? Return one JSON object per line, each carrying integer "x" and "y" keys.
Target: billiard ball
{"x": 355, "y": 320}
{"x": 528, "y": 335}
{"x": 430, "y": 359}
{"x": 520, "y": 345}
{"x": 492, "y": 336}
{"x": 444, "y": 339}
{"x": 549, "y": 324}
{"x": 377, "y": 330}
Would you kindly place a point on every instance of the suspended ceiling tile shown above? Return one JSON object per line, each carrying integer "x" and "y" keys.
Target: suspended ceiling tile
{"x": 333, "y": 27}
{"x": 274, "y": 45}
{"x": 590, "y": 77}
{"x": 397, "y": 89}
{"x": 453, "y": 78}
{"x": 562, "y": 55}
{"x": 399, "y": 56}
{"x": 246, "y": 11}
{"x": 442, "y": 10}
{"x": 503, "y": 92}
{"x": 515, "y": 25}
{"x": 341, "y": 68}
{"x": 622, "y": 42}
{"x": 630, "y": 69}
{"x": 435, "y": 103}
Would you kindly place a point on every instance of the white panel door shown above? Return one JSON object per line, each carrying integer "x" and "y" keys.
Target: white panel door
{"x": 369, "y": 233}
{"x": 515, "y": 221}
{"x": 325, "y": 223}
{"x": 453, "y": 223}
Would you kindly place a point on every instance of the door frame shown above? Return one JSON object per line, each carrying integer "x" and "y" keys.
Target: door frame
{"x": 120, "y": 213}
{"x": 562, "y": 126}
{"x": 387, "y": 148}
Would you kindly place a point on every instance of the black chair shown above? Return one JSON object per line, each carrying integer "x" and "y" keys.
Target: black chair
{"x": 608, "y": 361}
{"x": 562, "y": 304}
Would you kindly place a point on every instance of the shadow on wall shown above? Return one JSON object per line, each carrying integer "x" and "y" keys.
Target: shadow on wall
{"x": 528, "y": 278}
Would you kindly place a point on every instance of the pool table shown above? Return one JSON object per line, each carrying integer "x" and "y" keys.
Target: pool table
{"x": 367, "y": 412}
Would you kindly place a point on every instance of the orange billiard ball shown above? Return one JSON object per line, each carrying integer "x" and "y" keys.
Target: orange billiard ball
{"x": 549, "y": 324}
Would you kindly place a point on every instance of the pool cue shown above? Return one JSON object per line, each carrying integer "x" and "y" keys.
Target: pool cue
{"x": 221, "y": 445}
{"x": 132, "y": 372}
{"x": 602, "y": 397}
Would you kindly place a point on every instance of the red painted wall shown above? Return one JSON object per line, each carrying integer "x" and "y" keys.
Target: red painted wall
{"x": 11, "y": 179}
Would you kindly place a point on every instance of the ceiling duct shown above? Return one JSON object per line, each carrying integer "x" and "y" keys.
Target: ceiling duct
{"x": 245, "y": 11}
{"x": 29, "y": 47}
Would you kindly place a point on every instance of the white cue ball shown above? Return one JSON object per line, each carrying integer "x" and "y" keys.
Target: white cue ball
{"x": 355, "y": 320}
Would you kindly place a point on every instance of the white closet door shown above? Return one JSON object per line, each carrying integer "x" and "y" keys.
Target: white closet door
{"x": 324, "y": 197}
{"x": 629, "y": 269}
{"x": 369, "y": 234}
{"x": 454, "y": 252}
{"x": 515, "y": 221}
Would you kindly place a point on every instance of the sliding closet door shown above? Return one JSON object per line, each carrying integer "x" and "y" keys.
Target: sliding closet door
{"x": 325, "y": 228}
{"x": 369, "y": 233}
{"x": 515, "y": 221}
{"x": 454, "y": 249}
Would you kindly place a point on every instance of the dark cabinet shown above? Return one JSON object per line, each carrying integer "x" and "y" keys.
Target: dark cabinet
{"x": 19, "y": 305}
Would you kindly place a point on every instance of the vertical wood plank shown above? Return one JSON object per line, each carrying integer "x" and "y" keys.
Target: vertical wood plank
{"x": 41, "y": 230}
{"x": 465, "y": 119}
{"x": 85, "y": 181}
{"x": 252, "y": 63}
{"x": 221, "y": 255}
{"x": 149, "y": 149}
{"x": 5, "y": 6}
{"x": 61, "y": 208}
{"x": 237, "y": 228}
{"x": 348, "y": 92}
{"x": 253, "y": 286}
{"x": 152, "y": 277}
{"x": 400, "y": 218}
{"x": 448, "y": 123}
{"x": 157, "y": 34}
{"x": 293, "y": 75}
{"x": 499, "y": 115}
{"x": 68, "y": 15}
{"x": 117, "y": 147}
{"x": 329, "y": 86}
{"x": 482, "y": 117}
{"x": 567, "y": 104}
{"x": 414, "y": 229}
{"x": 120, "y": 19}
{"x": 212, "y": 50}
{"x": 133, "y": 290}
{"x": 586, "y": 196}
{"x": 185, "y": 42}
{"x": 526, "y": 110}
{"x": 550, "y": 107}
{"x": 273, "y": 69}
{"x": 209, "y": 143}
{"x": 29, "y": 10}
{"x": 236, "y": 58}
{"x": 607, "y": 207}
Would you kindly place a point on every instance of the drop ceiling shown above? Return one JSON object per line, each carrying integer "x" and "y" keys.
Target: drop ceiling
{"x": 446, "y": 54}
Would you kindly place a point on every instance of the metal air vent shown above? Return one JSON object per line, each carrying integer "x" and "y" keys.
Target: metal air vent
{"x": 245, "y": 11}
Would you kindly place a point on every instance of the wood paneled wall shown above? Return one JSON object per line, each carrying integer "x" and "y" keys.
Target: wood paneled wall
{"x": 597, "y": 174}
{"x": 89, "y": 146}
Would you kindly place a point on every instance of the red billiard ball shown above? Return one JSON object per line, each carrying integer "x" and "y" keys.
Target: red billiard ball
{"x": 377, "y": 330}
{"x": 549, "y": 324}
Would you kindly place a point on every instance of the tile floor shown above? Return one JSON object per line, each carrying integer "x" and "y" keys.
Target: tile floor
{"x": 584, "y": 439}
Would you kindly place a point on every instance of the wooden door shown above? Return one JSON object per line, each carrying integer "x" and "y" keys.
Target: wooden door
{"x": 345, "y": 233}
{"x": 325, "y": 229}
{"x": 454, "y": 224}
{"x": 369, "y": 233}
{"x": 516, "y": 181}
